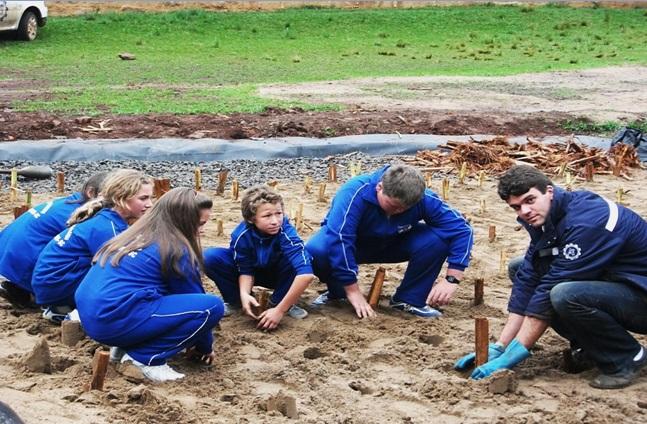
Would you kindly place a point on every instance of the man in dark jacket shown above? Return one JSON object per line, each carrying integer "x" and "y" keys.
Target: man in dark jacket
{"x": 584, "y": 274}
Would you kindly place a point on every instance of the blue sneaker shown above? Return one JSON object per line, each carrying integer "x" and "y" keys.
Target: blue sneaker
{"x": 421, "y": 311}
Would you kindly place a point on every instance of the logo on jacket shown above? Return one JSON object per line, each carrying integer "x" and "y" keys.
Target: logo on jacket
{"x": 572, "y": 251}
{"x": 404, "y": 228}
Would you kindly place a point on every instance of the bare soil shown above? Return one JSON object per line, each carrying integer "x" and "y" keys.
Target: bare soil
{"x": 529, "y": 104}
{"x": 396, "y": 368}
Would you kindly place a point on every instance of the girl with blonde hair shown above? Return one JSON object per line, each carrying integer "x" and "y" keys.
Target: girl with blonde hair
{"x": 61, "y": 266}
{"x": 144, "y": 294}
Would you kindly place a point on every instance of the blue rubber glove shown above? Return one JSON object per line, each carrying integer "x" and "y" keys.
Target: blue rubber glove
{"x": 494, "y": 351}
{"x": 514, "y": 353}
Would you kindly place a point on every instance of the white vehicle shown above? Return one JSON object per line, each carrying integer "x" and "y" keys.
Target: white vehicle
{"x": 23, "y": 17}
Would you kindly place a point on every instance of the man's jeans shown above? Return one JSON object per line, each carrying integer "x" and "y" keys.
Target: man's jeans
{"x": 597, "y": 317}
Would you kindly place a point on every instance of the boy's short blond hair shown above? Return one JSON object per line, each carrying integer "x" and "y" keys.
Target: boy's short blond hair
{"x": 256, "y": 196}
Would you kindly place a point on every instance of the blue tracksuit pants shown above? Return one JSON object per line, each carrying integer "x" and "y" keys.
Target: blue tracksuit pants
{"x": 220, "y": 267}
{"x": 180, "y": 321}
{"x": 424, "y": 250}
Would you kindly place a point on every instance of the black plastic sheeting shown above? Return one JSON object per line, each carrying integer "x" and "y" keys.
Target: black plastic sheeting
{"x": 209, "y": 149}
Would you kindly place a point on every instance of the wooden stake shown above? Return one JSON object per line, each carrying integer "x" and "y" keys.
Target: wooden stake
{"x": 222, "y": 180}
{"x": 478, "y": 291}
{"x": 568, "y": 181}
{"x": 198, "y": 179}
{"x": 462, "y": 173}
{"x": 307, "y": 185}
{"x": 332, "y": 173}
{"x": 589, "y": 171}
{"x": 220, "y": 231}
{"x": 60, "y": 182}
{"x": 428, "y": 179}
{"x": 355, "y": 169}
{"x": 99, "y": 369}
{"x": 502, "y": 263}
{"x": 234, "y": 190}
{"x": 19, "y": 210}
{"x": 13, "y": 194}
{"x": 482, "y": 208}
{"x": 322, "y": 193}
{"x": 481, "y": 178}
{"x": 262, "y": 296}
{"x": 298, "y": 221}
{"x": 71, "y": 332}
{"x": 445, "y": 189}
{"x": 482, "y": 330}
{"x": 492, "y": 233}
{"x": 161, "y": 186}
{"x": 28, "y": 199}
{"x": 376, "y": 287}
{"x": 619, "y": 195}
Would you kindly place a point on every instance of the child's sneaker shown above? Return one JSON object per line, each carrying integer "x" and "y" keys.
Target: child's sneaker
{"x": 56, "y": 314}
{"x": 73, "y": 316}
{"x": 325, "y": 299}
{"x": 421, "y": 311}
{"x": 116, "y": 354}
{"x": 159, "y": 373}
{"x": 297, "y": 312}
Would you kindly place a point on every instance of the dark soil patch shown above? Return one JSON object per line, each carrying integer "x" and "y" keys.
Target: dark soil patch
{"x": 278, "y": 123}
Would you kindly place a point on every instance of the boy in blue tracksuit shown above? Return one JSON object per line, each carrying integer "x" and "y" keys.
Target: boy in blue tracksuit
{"x": 386, "y": 217}
{"x": 144, "y": 294}
{"x": 265, "y": 249}
{"x": 584, "y": 274}
{"x": 23, "y": 240}
{"x": 66, "y": 259}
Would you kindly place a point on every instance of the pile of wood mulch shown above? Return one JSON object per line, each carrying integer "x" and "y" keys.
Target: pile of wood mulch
{"x": 494, "y": 156}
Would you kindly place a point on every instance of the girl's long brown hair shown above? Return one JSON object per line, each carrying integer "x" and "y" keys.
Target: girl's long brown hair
{"x": 172, "y": 223}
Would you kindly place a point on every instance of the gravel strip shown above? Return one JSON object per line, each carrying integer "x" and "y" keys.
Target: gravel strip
{"x": 247, "y": 172}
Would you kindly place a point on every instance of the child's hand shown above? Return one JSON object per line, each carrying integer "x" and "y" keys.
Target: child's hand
{"x": 193, "y": 354}
{"x": 270, "y": 319}
{"x": 247, "y": 302}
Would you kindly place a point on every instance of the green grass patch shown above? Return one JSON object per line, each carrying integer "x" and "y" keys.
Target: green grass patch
{"x": 586, "y": 126}
{"x": 223, "y": 56}
{"x": 140, "y": 100}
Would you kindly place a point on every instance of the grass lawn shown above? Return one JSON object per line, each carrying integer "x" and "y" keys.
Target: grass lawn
{"x": 195, "y": 61}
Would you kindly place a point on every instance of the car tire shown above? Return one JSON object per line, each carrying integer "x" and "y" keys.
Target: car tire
{"x": 28, "y": 28}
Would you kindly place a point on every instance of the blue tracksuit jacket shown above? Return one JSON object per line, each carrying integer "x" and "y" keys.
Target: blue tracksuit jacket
{"x": 22, "y": 241}
{"x": 586, "y": 237}
{"x": 252, "y": 249}
{"x": 355, "y": 217}
{"x": 114, "y": 300}
{"x": 67, "y": 257}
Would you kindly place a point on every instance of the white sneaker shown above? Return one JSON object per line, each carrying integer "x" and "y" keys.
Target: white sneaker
{"x": 159, "y": 373}
{"x": 73, "y": 316}
{"x": 116, "y": 353}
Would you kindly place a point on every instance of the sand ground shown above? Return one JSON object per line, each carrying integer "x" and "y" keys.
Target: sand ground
{"x": 393, "y": 369}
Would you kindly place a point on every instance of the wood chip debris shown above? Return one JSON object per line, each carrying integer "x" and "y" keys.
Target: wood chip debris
{"x": 494, "y": 156}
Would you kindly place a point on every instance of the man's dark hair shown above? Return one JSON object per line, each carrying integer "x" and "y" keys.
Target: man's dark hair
{"x": 521, "y": 178}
